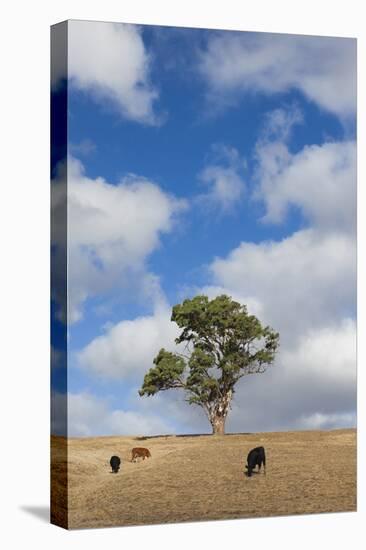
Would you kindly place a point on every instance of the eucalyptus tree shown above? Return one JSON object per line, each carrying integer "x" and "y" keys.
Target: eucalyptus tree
{"x": 219, "y": 344}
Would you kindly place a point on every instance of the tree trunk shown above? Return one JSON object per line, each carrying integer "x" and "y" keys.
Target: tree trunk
{"x": 219, "y": 412}
{"x": 218, "y": 425}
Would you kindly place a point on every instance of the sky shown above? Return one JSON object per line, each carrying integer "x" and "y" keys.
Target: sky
{"x": 214, "y": 162}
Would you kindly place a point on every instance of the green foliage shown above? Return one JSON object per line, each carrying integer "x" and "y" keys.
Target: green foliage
{"x": 166, "y": 375}
{"x": 221, "y": 343}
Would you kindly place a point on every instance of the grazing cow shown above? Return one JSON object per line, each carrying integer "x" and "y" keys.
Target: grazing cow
{"x": 256, "y": 457}
{"x": 140, "y": 452}
{"x": 115, "y": 463}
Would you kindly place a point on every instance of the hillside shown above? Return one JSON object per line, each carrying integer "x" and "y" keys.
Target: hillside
{"x": 192, "y": 478}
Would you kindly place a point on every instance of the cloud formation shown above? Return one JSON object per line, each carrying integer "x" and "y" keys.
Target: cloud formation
{"x": 112, "y": 229}
{"x": 322, "y": 68}
{"x": 127, "y": 349}
{"x": 320, "y": 180}
{"x": 311, "y": 386}
{"x": 224, "y": 180}
{"x": 305, "y": 280}
{"x": 89, "y": 415}
{"x": 109, "y": 62}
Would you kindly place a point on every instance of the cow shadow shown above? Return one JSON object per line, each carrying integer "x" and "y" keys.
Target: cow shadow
{"x": 146, "y": 437}
{"x": 254, "y": 473}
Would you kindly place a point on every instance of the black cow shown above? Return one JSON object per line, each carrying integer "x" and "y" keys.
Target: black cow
{"x": 256, "y": 457}
{"x": 115, "y": 463}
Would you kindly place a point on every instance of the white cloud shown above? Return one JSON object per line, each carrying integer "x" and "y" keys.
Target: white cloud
{"x": 326, "y": 354}
{"x": 117, "y": 218}
{"x": 112, "y": 229}
{"x": 109, "y": 61}
{"x": 321, "y": 421}
{"x": 320, "y": 180}
{"x": 313, "y": 271}
{"x": 226, "y": 186}
{"x": 280, "y": 122}
{"x": 304, "y": 286}
{"x": 322, "y": 68}
{"x": 172, "y": 405}
{"x": 128, "y": 348}
{"x": 89, "y": 415}
{"x": 312, "y": 385}
{"x": 306, "y": 279}
{"x": 224, "y": 180}
{"x": 84, "y": 148}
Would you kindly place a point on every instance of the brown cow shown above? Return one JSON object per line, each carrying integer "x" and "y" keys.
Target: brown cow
{"x": 140, "y": 452}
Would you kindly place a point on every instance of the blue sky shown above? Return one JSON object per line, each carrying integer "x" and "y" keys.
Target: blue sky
{"x": 209, "y": 161}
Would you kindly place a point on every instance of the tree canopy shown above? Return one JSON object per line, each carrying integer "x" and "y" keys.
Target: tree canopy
{"x": 219, "y": 344}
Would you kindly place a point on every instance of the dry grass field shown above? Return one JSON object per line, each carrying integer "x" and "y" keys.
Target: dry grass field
{"x": 191, "y": 478}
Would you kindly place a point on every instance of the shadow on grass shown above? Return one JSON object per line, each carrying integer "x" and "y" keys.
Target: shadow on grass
{"x": 146, "y": 437}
